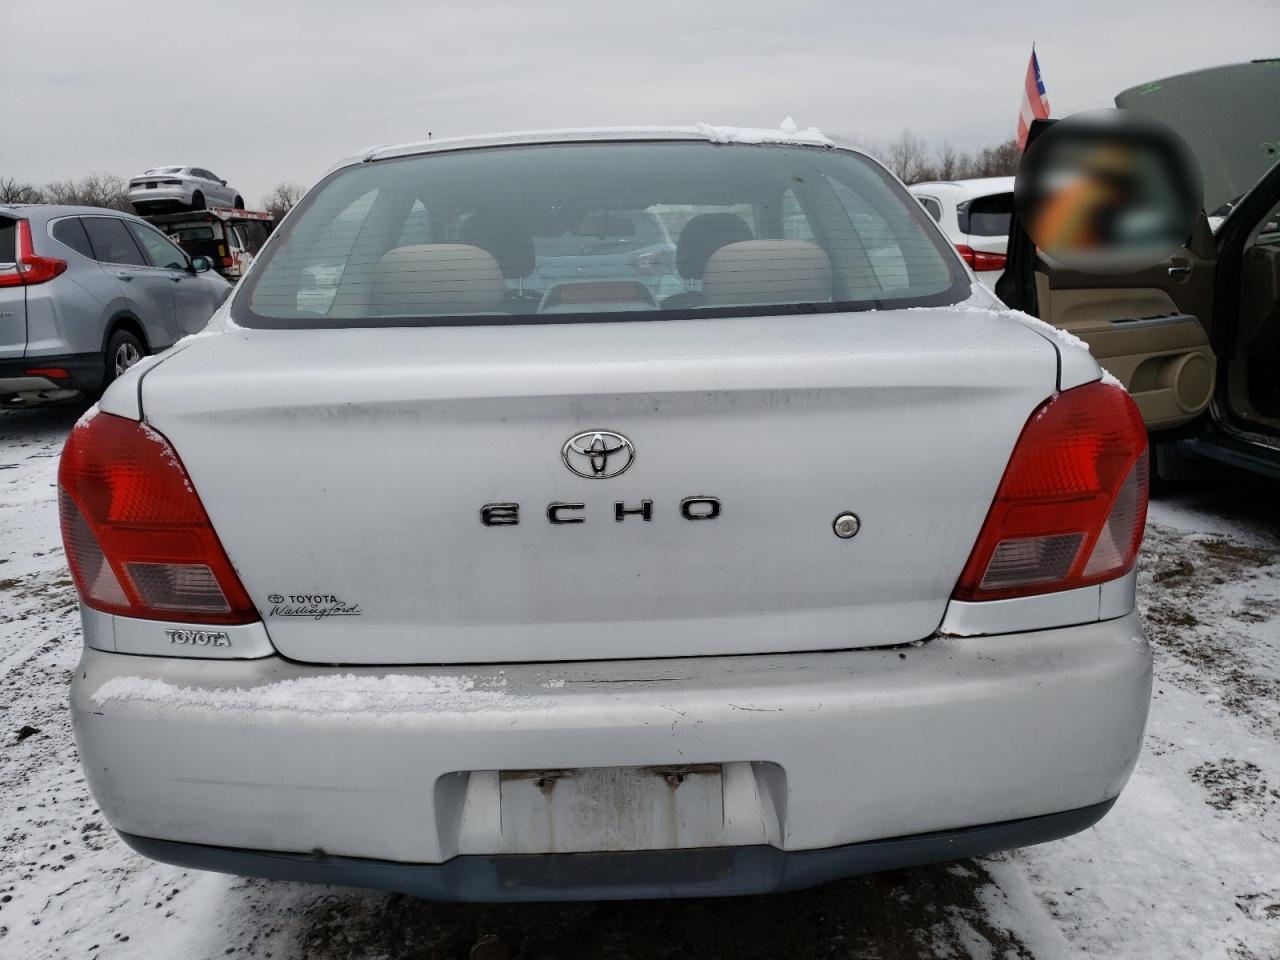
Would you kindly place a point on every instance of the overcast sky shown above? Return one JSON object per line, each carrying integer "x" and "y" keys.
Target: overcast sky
{"x": 269, "y": 91}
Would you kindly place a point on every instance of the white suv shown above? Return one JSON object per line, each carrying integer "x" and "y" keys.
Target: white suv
{"x": 822, "y": 565}
{"x": 974, "y": 214}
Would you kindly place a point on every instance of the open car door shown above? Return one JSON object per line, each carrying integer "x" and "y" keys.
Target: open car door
{"x": 1152, "y": 328}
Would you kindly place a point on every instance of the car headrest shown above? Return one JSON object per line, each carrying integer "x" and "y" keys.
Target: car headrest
{"x": 767, "y": 271}
{"x": 436, "y": 278}
{"x": 704, "y": 235}
{"x": 507, "y": 242}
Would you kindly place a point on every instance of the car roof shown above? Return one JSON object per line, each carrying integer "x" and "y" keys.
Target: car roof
{"x": 50, "y": 210}
{"x": 702, "y": 131}
{"x": 965, "y": 189}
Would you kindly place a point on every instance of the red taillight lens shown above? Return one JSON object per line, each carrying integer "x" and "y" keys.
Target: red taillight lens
{"x": 980, "y": 260}
{"x": 649, "y": 264}
{"x": 138, "y": 540}
{"x": 1072, "y": 506}
{"x": 31, "y": 269}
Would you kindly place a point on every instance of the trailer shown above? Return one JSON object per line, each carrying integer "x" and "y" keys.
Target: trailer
{"x": 230, "y": 238}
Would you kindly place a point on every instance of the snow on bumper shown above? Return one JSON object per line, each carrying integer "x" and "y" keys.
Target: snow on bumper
{"x": 389, "y": 763}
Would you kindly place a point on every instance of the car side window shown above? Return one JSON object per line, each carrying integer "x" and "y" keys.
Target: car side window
{"x": 932, "y": 205}
{"x": 160, "y": 250}
{"x": 256, "y": 234}
{"x": 112, "y": 242}
{"x": 71, "y": 232}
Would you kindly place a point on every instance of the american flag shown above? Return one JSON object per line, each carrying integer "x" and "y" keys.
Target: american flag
{"x": 1035, "y": 105}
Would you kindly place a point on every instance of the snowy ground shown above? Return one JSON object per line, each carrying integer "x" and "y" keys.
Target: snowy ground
{"x": 1186, "y": 865}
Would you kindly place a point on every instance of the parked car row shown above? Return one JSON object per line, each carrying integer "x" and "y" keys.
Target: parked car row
{"x": 85, "y": 293}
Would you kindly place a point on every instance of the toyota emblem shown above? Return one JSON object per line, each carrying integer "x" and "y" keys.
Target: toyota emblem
{"x": 598, "y": 454}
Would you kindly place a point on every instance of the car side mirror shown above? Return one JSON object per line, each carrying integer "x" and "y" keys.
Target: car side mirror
{"x": 201, "y": 265}
{"x": 223, "y": 182}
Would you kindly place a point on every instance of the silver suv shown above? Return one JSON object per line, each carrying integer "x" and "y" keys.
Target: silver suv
{"x": 85, "y": 293}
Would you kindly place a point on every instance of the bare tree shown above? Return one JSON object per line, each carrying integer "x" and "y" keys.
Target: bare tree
{"x": 905, "y": 155}
{"x": 282, "y": 199}
{"x": 61, "y": 191}
{"x": 105, "y": 190}
{"x": 913, "y": 160}
{"x": 12, "y": 191}
{"x": 93, "y": 190}
{"x": 1000, "y": 160}
{"x": 948, "y": 162}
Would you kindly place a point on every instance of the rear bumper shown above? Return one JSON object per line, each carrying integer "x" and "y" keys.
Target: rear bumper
{"x": 160, "y": 195}
{"x": 388, "y": 764}
{"x": 714, "y": 872}
{"x": 84, "y": 372}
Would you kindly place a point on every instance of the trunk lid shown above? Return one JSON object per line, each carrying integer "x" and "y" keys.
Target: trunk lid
{"x": 1226, "y": 114}
{"x": 345, "y": 472}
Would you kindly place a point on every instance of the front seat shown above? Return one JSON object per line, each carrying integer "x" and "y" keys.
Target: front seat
{"x": 701, "y": 237}
{"x": 510, "y": 244}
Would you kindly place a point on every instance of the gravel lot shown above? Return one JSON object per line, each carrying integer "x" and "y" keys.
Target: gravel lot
{"x": 1186, "y": 865}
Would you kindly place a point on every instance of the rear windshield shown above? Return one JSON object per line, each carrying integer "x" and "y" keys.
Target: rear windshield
{"x": 987, "y": 216}
{"x": 8, "y": 240}
{"x": 612, "y": 231}
{"x": 192, "y": 233}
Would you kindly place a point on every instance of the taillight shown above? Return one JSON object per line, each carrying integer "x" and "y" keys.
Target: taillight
{"x": 31, "y": 268}
{"x": 1072, "y": 505}
{"x": 137, "y": 538}
{"x": 649, "y": 264}
{"x": 980, "y": 260}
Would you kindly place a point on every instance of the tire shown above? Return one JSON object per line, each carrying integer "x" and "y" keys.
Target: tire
{"x": 124, "y": 349}
{"x": 197, "y": 201}
{"x": 239, "y": 203}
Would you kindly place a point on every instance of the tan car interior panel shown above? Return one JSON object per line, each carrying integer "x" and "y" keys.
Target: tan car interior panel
{"x": 1142, "y": 337}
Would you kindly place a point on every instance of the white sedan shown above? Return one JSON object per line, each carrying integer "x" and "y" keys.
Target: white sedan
{"x": 402, "y": 575}
{"x": 166, "y": 188}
